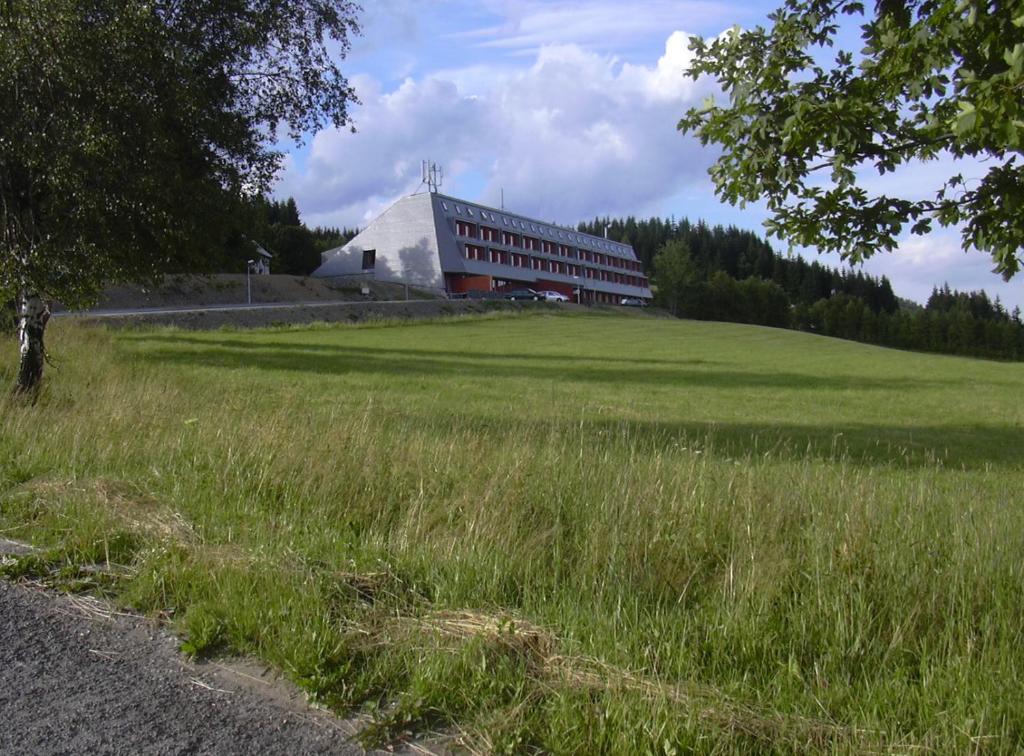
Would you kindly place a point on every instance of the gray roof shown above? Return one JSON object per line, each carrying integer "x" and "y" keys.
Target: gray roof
{"x": 471, "y": 211}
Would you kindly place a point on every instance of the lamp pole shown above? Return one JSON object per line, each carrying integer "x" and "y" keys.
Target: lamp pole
{"x": 248, "y": 281}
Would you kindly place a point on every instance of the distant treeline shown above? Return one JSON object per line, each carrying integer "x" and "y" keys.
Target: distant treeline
{"x": 973, "y": 326}
{"x": 735, "y": 275}
{"x": 296, "y": 248}
{"x": 277, "y": 227}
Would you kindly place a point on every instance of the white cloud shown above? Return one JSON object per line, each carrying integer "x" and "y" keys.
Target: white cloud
{"x": 923, "y": 262}
{"x": 573, "y": 135}
{"x": 349, "y": 178}
{"x": 665, "y": 83}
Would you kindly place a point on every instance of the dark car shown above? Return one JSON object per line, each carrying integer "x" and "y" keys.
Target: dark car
{"x": 632, "y": 302}
{"x": 523, "y": 294}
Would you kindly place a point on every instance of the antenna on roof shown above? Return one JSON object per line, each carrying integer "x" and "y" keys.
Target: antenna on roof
{"x": 433, "y": 175}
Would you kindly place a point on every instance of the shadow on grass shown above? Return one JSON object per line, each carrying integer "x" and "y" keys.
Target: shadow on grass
{"x": 242, "y": 344}
{"x": 969, "y": 446}
{"x": 335, "y": 359}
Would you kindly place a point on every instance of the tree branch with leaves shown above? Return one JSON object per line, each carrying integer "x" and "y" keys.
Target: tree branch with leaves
{"x": 129, "y": 130}
{"x": 935, "y": 79}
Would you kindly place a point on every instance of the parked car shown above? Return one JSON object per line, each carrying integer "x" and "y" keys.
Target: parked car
{"x": 553, "y": 296}
{"x": 632, "y": 302}
{"x": 523, "y": 294}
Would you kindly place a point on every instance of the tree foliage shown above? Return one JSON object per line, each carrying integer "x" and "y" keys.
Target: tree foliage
{"x": 743, "y": 254}
{"x": 973, "y": 326}
{"x": 296, "y": 247}
{"x": 740, "y": 279}
{"x": 129, "y": 130}
{"x": 676, "y": 273}
{"x": 935, "y": 78}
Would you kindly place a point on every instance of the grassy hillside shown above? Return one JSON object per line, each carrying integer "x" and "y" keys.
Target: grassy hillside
{"x": 569, "y": 533}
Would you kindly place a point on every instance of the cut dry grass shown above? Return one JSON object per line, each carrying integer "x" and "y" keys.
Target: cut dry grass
{"x": 122, "y": 502}
{"x": 540, "y": 650}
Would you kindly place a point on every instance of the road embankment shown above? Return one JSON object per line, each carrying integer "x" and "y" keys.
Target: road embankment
{"x": 78, "y": 677}
{"x": 300, "y": 314}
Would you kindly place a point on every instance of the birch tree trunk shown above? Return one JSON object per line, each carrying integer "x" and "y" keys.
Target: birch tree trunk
{"x": 33, "y": 314}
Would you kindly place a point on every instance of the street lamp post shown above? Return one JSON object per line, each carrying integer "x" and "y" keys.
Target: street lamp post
{"x": 248, "y": 281}
{"x": 580, "y": 287}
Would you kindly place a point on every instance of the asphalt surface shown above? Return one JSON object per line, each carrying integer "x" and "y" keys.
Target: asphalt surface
{"x": 76, "y": 678}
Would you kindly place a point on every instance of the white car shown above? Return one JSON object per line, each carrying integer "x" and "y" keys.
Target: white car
{"x": 553, "y": 296}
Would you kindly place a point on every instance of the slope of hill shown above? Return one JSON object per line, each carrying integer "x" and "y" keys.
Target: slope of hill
{"x": 571, "y": 533}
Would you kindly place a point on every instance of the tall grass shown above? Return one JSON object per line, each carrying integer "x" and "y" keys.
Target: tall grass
{"x": 573, "y": 534}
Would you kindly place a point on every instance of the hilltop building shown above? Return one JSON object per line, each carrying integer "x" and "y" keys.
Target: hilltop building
{"x": 439, "y": 242}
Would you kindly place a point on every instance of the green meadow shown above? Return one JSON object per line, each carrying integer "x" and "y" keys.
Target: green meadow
{"x": 565, "y": 533}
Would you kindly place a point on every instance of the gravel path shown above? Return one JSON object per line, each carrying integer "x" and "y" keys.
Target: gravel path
{"x": 75, "y": 679}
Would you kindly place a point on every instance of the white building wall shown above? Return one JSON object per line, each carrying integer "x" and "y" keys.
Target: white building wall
{"x": 406, "y": 244}
{"x": 415, "y": 243}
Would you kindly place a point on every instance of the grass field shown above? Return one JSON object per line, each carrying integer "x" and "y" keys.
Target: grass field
{"x": 576, "y": 533}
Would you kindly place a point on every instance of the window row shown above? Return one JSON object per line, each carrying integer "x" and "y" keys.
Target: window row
{"x": 541, "y": 229}
{"x": 619, "y": 278}
{"x": 518, "y": 260}
{"x": 521, "y": 241}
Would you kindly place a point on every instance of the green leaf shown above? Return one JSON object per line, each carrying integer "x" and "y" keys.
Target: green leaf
{"x": 966, "y": 119}
{"x": 936, "y": 79}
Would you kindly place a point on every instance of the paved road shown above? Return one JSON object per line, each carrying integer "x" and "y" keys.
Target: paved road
{"x": 75, "y": 679}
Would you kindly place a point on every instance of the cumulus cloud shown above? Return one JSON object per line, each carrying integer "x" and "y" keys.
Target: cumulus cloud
{"x": 348, "y": 178}
{"x": 922, "y": 262}
{"x": 573, "y": 135}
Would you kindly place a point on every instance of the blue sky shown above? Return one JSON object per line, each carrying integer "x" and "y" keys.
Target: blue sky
{"x": 568, "y": 107}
